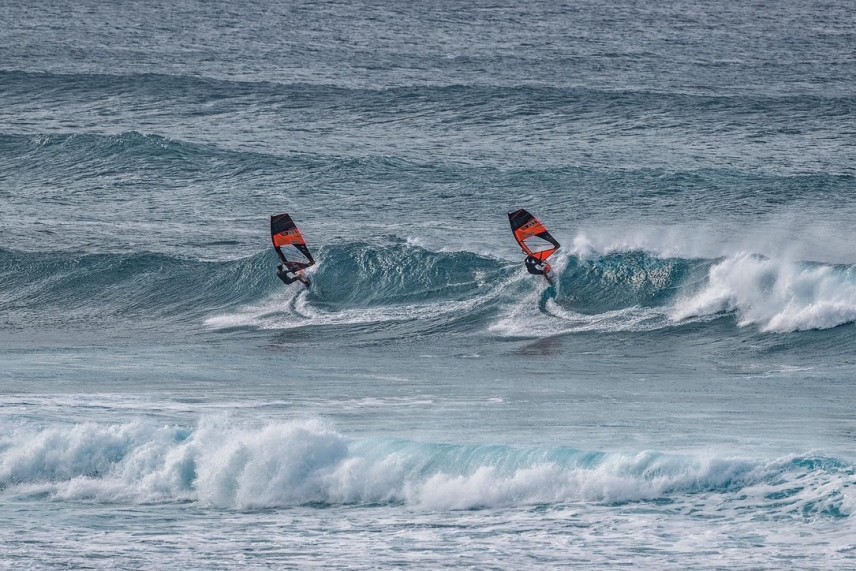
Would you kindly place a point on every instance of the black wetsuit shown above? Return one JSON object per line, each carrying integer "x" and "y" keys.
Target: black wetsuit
{"x": 283, "y": 274}
{"x": 535, "y": 267}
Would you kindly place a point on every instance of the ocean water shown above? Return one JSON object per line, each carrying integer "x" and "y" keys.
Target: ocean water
{"x": 681, "y": 399}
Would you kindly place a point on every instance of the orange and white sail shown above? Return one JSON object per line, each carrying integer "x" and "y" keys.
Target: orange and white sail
{"x": 532, "y": 236}
{"x": 289, "y": 243}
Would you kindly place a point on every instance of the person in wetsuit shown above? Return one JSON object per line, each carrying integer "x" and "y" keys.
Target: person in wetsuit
{"x": 536, "y": 267}
{"x": 284, "y": 274}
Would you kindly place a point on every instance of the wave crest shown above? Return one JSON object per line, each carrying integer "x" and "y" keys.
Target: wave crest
{"x": 775, "y": 295}
{"x": 403, "y": 283}
{"x": 296, "y": 463}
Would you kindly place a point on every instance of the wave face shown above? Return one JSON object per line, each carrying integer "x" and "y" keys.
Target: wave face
{"x": 297, "y": 463}
{"x": 362, "y": 285}
{"x": 62, "y": 291}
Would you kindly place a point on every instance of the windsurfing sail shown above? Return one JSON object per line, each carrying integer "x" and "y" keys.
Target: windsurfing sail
{"x": 289, "y": 243}
{"x": 532, "y": 236}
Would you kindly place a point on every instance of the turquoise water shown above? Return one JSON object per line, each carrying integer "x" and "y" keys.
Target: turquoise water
{"x": 682, "y": 398}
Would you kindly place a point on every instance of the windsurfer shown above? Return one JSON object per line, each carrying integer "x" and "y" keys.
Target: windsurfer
{"x": 283, "y": 274}
{"x": 536, "y": 267}
{"x": 539, "y": 268}
{"x": 535, "y": 241}
{"x": 291, "y": 249}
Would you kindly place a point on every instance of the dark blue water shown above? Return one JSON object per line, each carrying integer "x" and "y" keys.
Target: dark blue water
{"x": 681, "y": 398}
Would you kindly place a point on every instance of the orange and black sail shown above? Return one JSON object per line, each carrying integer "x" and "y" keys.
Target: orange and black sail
{"x": 532, "y": 236}
{"x": 289, "y": 243}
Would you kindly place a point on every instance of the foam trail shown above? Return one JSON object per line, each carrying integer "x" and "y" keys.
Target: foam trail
{"x": 525, "y": 320}
{"x": 297, "y": 311}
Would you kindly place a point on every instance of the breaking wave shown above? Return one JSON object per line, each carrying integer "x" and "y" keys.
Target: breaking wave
{"x": 297, "y": 463}
{"x": 402, "y": 283}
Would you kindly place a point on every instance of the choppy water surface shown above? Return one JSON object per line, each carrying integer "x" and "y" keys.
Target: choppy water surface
{"x": 682, "y": 398}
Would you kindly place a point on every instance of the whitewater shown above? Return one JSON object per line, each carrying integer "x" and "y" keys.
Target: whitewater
{"x": 681, "y": 398}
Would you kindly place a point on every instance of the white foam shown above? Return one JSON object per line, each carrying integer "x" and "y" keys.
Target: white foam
{"x": 524, "y": 318}
{"x": 776, "y": 295}
{"x": 227, "y": 465}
